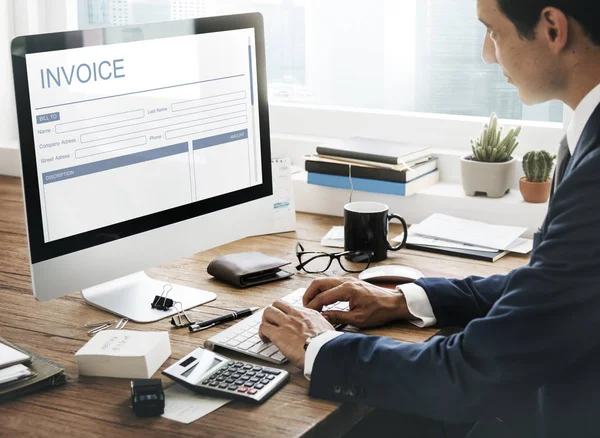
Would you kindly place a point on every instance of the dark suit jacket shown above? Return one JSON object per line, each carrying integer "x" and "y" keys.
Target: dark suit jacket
{"x": 529, "y": 356}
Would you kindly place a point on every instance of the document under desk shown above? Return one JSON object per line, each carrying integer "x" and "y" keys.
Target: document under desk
{"x": 90, "y": 406}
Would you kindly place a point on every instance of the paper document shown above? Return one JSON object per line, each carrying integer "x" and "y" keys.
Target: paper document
{"x": 186, "y": 406}
{"x": 334, "y": 238}
{"x": 454, "y": 229}
{"x": 432, "y": 241}
{"x": 15, "y": 372}
{"x": 284, "y": 210}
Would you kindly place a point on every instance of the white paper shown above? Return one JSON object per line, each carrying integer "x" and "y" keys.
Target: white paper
{"x": 431, "y": 241}
{"x": 521, "y": 246}
{"x": 10, "y": 356}
{"x": 284, "y": 210}
{"x": 14, "y": 373}
{"x": 454, "y": 229}
{"x": 185, "y": 406}
{"x": 334, "y": 238}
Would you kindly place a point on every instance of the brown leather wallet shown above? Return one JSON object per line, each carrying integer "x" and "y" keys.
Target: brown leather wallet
{"x": 246, "y": 269}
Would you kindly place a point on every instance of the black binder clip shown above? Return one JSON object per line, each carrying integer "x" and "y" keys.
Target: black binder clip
{"x": 161, "y": 302}
{"x": 179, "y": 322}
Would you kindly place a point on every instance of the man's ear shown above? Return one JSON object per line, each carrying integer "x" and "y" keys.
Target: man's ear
{"x": 554, "y": 28}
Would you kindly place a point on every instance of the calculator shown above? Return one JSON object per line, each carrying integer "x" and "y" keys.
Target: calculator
{"x": 206, "y": 372}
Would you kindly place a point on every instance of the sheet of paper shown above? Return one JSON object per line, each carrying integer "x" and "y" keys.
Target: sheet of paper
{"x": 15, "y": 372}
{"x": 284, "y": 210}
{"x": 334, "y": 238}
{"x": 476, "y": 233}
{"x": 431, "y": 241}
{"x": 521, "y": 246}
{"x": 186, "y": 406}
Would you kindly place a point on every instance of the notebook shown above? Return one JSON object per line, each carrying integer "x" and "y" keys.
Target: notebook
{"x": 45, "y": 374}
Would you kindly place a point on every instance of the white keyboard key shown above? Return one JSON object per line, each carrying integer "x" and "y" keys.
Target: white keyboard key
{"x": 233, "y": 343}
{"x": 246, "y": 345}
{"x": 278, "y": 356}
{"x": 259, "y": 347}
{"x": 269, "y": 351}
{"x": 241, "y": 338}
{"x": 255, "y": 338}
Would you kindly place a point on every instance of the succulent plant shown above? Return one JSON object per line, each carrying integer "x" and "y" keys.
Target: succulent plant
{"x": 537, "y": 166}
{"x": 490, "y": 147}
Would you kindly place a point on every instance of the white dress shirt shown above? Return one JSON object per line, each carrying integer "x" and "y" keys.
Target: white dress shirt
{"x": 416, "y": 298}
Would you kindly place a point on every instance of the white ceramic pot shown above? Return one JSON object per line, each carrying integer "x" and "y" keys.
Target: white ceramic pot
{"x": 490, "y": 179}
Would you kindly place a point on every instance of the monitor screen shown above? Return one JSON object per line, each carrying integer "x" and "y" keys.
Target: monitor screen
{"x": 127, "y": 130}
{"x": 131, "y": 129}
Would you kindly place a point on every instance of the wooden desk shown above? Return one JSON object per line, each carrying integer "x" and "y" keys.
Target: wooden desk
{"x": 88, "y": 406}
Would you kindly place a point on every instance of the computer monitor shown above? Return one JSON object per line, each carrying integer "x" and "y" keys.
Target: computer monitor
{"x": 140, "y": 145}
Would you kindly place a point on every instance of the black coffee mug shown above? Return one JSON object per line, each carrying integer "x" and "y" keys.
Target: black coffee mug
{"x": 366, "y": 227}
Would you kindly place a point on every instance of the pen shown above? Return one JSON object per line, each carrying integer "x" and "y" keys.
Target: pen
{"x": 203, "y": 325}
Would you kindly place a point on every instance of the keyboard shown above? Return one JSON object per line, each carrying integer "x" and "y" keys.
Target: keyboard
{"x": 243, "y": 336}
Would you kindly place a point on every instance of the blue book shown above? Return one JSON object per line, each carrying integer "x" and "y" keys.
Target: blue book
{"x": 375, "y": 186}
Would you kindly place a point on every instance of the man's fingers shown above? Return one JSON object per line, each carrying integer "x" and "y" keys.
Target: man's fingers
{"x": 338, "y": 317}
{"x": 274, "y": 316}
{"x": 285, "y": 308}
{"x": 330, "y": 296}
{"x": 318, "y": 286}
{"x": 265, "y": 331}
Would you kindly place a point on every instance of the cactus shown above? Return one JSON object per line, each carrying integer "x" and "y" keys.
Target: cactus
{"x": 537, "y": 166}
{"x": 490, "y": 147}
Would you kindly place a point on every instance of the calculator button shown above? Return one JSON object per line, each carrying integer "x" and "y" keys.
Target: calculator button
{"x": 239, "y": 382}
{"x": 271, "y": 371}
{"x": 206, "y": 382}
{"x": 260, "y": 375}
{"x": 227, "y": 374}
{"x": 250, "y": 373}
{"x": 244, "y": 389}
{"x": 230, "y": 380}
{"x": 265, "y": 381}
{"x": 221, "y": 378}
{"x": 257, "y": 368}
{"x": 259, "y": 386}
{"x": 213, "y": 383}
{"x": 252, "y": 391}
{"x": 244, "y": 378}
{"x": 247, "y": 367}
{"x": 270, "y": 377}
{"x": 239, "y": 364}
{"x": 223, "y": 385}
{"x": 236, "y": 376}
{"x": 232, "y": 388}
{"x": 254, "y": 380}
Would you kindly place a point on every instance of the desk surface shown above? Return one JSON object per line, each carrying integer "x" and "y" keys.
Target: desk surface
{"x": 100, "y": 406}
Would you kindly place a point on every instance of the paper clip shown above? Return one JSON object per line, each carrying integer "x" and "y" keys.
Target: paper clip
{"x": 121, "y": 323}
{"x": 98, "y": 326}
{"x": 179, "y": 322}
{"x": 161, "y": 302}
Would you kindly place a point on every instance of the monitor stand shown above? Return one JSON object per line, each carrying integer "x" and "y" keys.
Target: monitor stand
{"x": 131, "y": 297}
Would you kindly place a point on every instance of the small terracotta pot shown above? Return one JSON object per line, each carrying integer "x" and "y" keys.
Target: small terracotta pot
{"x": 533, "y": 192}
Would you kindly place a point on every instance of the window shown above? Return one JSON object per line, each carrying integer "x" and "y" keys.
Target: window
{"x": 399, "y": 55}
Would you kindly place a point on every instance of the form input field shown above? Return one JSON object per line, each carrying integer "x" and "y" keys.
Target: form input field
{"x": 110, "y": 147}
{"x": 94, "y": 122}
{"x": 205, "y": 127}
{"x": 217, "y": 113}
{"x": 205, "y": 101}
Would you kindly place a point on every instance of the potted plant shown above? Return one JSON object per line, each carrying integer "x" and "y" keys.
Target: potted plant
{"x": 490, "y": 169}
{"x": 535, "y": 185}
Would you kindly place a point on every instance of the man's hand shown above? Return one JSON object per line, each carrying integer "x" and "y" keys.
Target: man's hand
{"x": 370, "y": 305}
{"x": 289, "y": 327}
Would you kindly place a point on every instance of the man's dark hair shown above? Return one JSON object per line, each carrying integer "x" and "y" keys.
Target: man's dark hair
{"x": 525, "y": 14}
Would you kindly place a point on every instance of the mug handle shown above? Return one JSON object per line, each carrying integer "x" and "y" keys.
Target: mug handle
{"x": 405, "y": 236}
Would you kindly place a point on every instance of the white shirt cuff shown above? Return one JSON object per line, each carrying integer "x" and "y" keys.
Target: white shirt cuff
{"x": 313, "y": 349}
{"x": 418, "y": 305}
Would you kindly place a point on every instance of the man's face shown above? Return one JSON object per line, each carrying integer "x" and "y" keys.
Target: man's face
{"x": 526, "y": 63}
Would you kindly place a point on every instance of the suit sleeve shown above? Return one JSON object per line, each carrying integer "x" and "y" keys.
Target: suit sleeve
{"x": 506, "y": 353}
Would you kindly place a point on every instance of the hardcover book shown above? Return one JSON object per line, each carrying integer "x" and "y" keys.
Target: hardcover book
{"x": 370, "y": 149}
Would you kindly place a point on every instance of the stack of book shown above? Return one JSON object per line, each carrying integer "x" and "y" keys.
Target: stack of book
{"x": 375, "y": 166}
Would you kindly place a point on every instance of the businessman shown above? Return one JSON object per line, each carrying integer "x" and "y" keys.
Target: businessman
{"x": 528, "y": 361}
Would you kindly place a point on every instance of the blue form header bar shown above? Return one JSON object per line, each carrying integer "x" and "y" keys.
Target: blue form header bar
{"x": 47, "y": 118}
{"x": 113, "y": 163}
{"x": 220, "y": 139}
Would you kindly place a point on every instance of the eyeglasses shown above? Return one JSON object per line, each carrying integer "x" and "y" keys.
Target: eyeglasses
{"x": 316, "y": 262}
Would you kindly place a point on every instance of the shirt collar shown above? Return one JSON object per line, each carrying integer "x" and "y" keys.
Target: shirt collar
{"x": 582, "y": 116}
